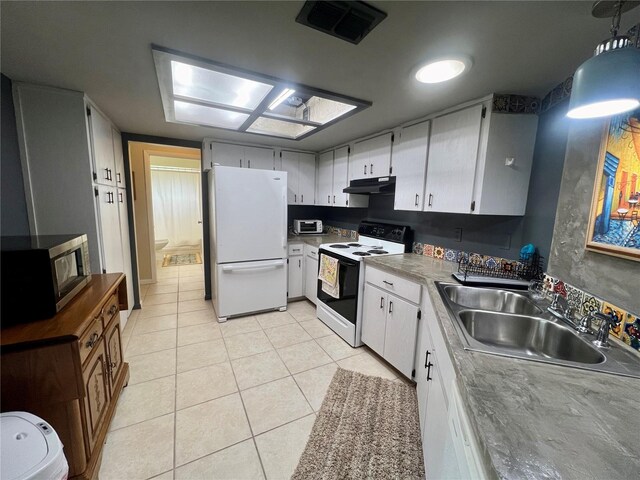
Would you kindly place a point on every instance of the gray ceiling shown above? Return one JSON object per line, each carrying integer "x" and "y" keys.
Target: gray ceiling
{"x": 103, "y": 49}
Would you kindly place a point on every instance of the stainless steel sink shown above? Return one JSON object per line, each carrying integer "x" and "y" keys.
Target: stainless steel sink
{"x": 491, "y": 299}
{"x": 529, "y": 335}
{"x": 510, "y": 324}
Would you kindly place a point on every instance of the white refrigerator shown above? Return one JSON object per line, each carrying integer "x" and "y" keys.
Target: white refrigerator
{"x": 248, "y": 230}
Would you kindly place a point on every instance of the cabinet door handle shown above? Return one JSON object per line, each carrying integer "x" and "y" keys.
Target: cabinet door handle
{"x": 295, "y": 198}
{"x": 249, "y": 163}
{"x": 426, "y": 358}
{"x": 302, "y": 198}
{"x": 120, "y": 197}
{"x": 106, "y": 174}
{"x": 430, "y": 199}
{"x": 429, "y": 365}
{"x": 240, "y": 163}
{"x": 388, "y": 283}
{"x": 93, "y": 339}
{"x": 417, "y": 197}
{"x": 328, "y": 198}
{"x": 371, "y": 169}
{"x": 113, "y": 310}
{"x": 390, "y": 307}
{"x": 110, "y": 175}
{"x": 119, "y": 177}
{"x": 365, "y": 169}
{"x": 299, "y": 263}
{"x": 381, "y": 302}
{"x": 334, "y": 199}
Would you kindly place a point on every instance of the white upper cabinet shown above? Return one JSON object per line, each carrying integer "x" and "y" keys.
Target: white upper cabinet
{"x": 120, "y": 176}
{"x": 371, "y": 158}
{"x": 301, "y": 177}
{"x": 240, "y": 156}
{"x": 410, "y": 165}
{"x": 260, "y": 158}
{"x": 102, "y": 145}
{"x": 452, "y": 161}
{"x": 480, "y": 162}
{"x": 324, "y": 195}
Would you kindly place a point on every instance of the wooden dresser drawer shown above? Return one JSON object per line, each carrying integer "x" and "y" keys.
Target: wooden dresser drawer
{"x": 110, "y": 310}
{"x": 394, "y": 284}
{"x": 91, "y": 338}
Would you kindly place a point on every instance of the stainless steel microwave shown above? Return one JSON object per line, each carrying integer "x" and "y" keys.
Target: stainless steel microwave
{"x": 307, "y": 226}
{"x": 41, "y": 274}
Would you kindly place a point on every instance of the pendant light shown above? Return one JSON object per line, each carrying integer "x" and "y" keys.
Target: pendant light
{"x": 609, "y": 82}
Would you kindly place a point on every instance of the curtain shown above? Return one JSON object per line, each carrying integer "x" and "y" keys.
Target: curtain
{"x": 177, "y": 207}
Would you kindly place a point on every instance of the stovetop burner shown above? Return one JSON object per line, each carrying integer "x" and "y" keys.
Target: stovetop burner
{"x": 362, "y": 254}
{"x": 355, "y": 245}
{"x": 378, "y": 252}
{"x": 339, "y": 245}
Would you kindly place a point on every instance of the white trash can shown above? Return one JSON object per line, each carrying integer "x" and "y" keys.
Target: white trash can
{"x": 31, "y": 449}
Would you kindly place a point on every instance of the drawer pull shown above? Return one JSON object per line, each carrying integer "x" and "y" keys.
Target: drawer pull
{"x": 93, "y": 339}
{"x": 388, "y": 283}
{"x": 113, "y": 310}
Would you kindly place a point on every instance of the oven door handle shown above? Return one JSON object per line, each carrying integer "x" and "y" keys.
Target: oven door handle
{"x": 340, "y": 260}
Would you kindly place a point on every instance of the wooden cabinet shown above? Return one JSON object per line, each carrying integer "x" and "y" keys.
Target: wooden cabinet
{"x": 241, "y": 156}
{"x": 389, "y": 321}
{"x": 480, "y": 162}
{"x": 301, "y": 177}
{"x": 371, "y": 158}
{"x": 311, "y": 273}
{"x": 295, "y": 287}
{"x": 96, "y": 386}
{"x": 410, "y": 165}
{"x": 69, "y": 370}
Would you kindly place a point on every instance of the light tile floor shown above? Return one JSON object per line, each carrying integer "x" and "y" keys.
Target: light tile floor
{"x": 235, "y": 400}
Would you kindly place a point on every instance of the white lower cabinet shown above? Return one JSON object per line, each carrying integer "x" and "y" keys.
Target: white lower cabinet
{"x": 449, "y": 447}
{"x": 295, "y": 283}
{"x": 311, "y": 273}
{"x": 389, "y": 322}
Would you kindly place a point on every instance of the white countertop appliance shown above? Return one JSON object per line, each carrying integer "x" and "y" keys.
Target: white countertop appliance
{"x": 31, "y": 449}
{"x": 248, "y": 232}
{"x": 307, "y": 226}
{"x": 344, "y": 314}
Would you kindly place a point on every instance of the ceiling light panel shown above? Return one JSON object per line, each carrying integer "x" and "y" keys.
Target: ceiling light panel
{"x": 202, "y": 92}
{"x": 207, "y": 85}
{"x": 279, "y": 128}
{"x": 214, "y": 117}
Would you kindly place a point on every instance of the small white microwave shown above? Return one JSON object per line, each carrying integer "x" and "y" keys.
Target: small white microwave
{"x": 307, "y": 226}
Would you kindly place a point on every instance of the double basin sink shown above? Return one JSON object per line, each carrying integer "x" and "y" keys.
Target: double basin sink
{"x": 508, "y": 323}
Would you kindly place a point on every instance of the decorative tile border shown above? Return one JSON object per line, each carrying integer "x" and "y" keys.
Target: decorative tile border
{"x": 342, "y": 232}
{"x": 628, "y": 329}
{"x": 510, "y": 103}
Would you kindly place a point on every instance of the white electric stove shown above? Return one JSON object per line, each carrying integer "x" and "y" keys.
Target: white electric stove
{"x": 344, "y": 314}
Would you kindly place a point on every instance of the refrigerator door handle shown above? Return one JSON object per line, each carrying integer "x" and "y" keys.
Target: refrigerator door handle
{"x": 284, "y": 220}
{"x": 238, "y": 268}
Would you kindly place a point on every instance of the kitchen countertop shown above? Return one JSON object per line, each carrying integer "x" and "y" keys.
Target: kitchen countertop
{"x": 317, "y": 240}
{"x": 535, "y": 420}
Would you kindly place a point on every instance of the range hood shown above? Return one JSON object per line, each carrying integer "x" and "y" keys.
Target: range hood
{"x": 368, "y": 186}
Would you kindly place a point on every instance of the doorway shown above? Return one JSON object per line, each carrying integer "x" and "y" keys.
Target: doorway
{"x": 167, "y": 209}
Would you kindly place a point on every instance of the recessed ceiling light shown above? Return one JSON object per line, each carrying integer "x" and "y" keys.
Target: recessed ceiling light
{"x": 443, "y": 69}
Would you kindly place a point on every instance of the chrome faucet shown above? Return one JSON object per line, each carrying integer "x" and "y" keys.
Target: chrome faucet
{"x": 602, "y": 336}
{"x": 587, "y": 320}
{"x": 561, "y": 309}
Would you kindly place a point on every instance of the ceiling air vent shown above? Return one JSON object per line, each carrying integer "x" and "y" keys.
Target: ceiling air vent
{"x": 350, "y": 21}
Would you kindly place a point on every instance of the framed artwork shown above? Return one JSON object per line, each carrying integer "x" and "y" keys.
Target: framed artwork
{"x": 614, "y": 221}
